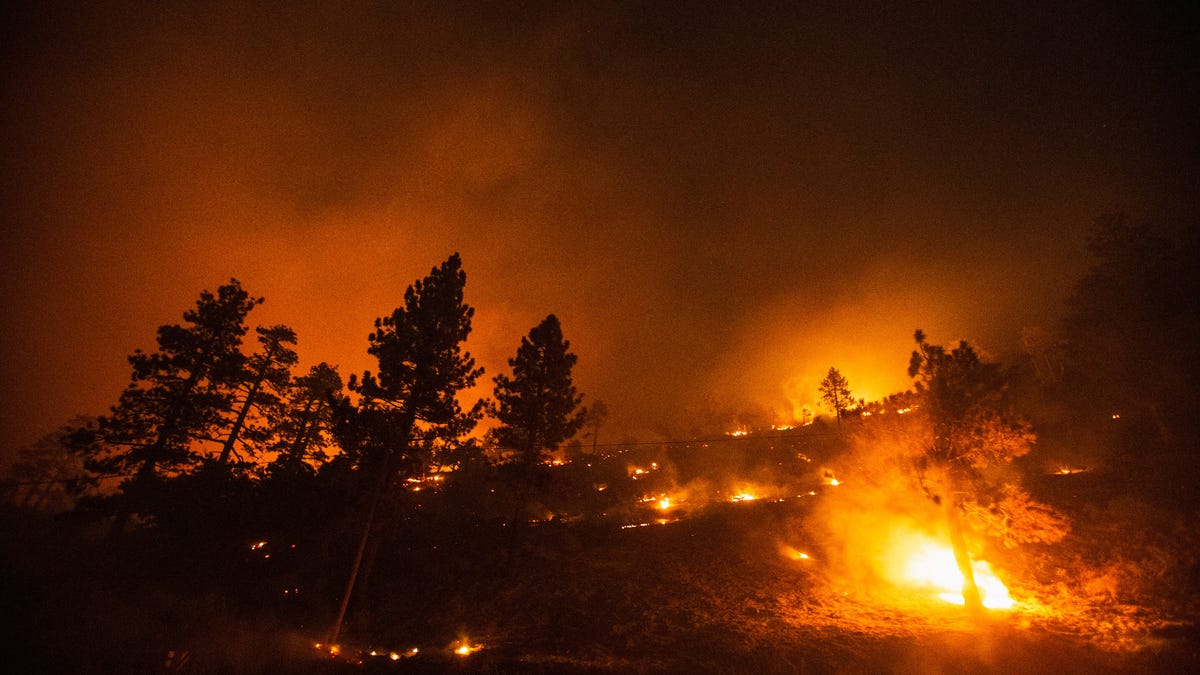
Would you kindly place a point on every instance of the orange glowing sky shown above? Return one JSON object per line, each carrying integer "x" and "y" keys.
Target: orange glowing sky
{"x": 718, "y": 204}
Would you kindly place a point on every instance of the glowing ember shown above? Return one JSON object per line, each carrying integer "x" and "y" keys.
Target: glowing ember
{"x": 737, "y": 433}
{"x": 931, "y": 565}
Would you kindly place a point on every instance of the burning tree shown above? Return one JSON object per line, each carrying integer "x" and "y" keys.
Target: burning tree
{"x": 968, "y": 433}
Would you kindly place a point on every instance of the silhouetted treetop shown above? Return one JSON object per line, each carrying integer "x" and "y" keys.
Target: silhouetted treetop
{"x": 538, "y": 405}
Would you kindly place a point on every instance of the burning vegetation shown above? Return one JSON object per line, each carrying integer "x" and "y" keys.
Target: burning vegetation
{"x": 937, "y": 516}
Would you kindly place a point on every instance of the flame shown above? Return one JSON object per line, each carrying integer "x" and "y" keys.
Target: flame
{"x": 744, "y": 497}
{"x": 465, "y": 648}
{"x": 664, "y": 503}
{"x": 930, "y": 564}
{"x": 1068, "y": 470}
{"x": 793, "y": 554}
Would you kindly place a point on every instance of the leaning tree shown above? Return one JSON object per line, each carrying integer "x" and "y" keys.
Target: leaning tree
{"x": 411, "y": 399}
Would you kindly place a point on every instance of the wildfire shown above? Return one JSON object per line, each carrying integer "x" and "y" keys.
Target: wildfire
{"x": 930, "y": 564}
{"x": 793, "y": 554}
{"x": 662, "y": 502}
{"x": 465, "y": 648}
{"x": 744, "y": 497}
{"x": 1068, "y": 470}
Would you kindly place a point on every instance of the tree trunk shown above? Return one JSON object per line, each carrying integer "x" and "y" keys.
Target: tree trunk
{"x": 362, "y": 548}
{"x": 140, "y": 481}
{"x": 146, "y": 471}
{"x": 300, "y": 445}
{"x": 407, "y": 421}
{"x": 518, "y": 522}
{"x": 227, "y": 449}
{"x": 962, "y": 557}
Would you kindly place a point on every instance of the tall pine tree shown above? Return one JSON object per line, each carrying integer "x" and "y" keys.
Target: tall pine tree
{"x": 538, "y": 407}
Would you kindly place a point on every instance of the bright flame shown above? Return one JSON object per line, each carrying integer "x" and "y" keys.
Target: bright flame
{"x": 466, "y": 648}
{"x": 664, "y": 503}
{"x": 931, "y": 564}
{"x": 744, "y": 497}
{"x": 793, "y": 554}
{"x": 1068, "y": 470}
